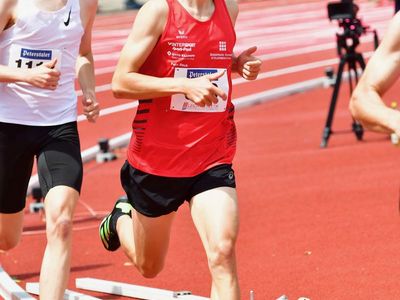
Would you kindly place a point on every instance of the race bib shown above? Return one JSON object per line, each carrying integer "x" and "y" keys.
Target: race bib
{"x": 181, "y": 103}
{"x": 27, "y": 58}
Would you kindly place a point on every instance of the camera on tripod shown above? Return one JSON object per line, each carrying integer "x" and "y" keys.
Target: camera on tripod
{"x": 342, "y": 10}
{"x": 345, "y": 12}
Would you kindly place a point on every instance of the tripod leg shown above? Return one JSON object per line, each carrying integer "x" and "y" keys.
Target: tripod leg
{"x": 361, "y": 61}
{"x": 356, "y": 126}
{"x": 327, "y": 130}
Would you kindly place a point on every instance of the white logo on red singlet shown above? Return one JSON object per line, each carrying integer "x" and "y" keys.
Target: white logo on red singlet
{"x": 181, "y": 34}
{"x": 222, "y": 45}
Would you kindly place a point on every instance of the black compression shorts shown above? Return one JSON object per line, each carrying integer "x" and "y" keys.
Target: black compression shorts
{"x": 57, "y": 150}
{"x": 154, "y": 196}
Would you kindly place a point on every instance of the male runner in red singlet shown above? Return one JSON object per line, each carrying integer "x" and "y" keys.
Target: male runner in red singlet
{"x": 381, "y": 72}
{"x": 178, "y": 60}
{"x": 43, "y": 44}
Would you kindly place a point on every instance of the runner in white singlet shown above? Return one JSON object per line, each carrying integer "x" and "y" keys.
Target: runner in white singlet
{"x": 43, "y": 44}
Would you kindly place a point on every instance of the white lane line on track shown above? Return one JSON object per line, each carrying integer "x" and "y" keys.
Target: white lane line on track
{"x": 105, "y": 70}
{"x": 259, "y": 17}
{"x": 295, "y": 69}
{"x": 107, "y": 56}
{"x": 298, "y": 40}
{"x": 113, "y": 110}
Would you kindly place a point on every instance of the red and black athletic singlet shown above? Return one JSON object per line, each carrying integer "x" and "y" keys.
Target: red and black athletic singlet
{"x": 171, "y": 136}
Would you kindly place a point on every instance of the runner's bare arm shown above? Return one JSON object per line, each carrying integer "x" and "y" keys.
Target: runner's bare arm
{"x": 6, "y": 9}
{"x": 247, "y": 65}
{"x": 128, "y": 83}
{"x": 6, "y": 14}
{"x": 85, "y": 63}
{"x": 381, "y": 72}
{"x": 44, "y": 76}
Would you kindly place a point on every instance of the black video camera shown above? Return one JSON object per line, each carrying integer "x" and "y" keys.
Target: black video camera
{"x": 342, "y": 10}
{"x": 346, "y": 14}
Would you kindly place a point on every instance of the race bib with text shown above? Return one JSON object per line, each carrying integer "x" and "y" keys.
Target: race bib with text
{"x": 27, "y": 58}
{"x": 181, "y": 103}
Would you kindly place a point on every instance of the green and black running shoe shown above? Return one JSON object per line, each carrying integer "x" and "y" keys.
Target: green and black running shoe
{"x": 108, "y": 227}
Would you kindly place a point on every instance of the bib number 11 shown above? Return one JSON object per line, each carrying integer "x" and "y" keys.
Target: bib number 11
{"x": 29, "y": 64}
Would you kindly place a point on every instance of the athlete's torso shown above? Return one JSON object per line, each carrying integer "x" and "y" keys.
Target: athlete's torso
{"x": 38, "y": 37}
{"x": 172, "y": 136}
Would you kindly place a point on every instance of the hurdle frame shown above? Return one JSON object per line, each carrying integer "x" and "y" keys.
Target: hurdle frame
{"x": 33, "y": 288}
{"x": 133, "y": 291}
{"x": 10, "y": 290}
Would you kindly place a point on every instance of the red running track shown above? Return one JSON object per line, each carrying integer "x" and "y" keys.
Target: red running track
{"x": 315, "y": 223}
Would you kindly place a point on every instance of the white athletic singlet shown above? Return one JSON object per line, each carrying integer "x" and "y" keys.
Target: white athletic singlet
{"x": 36, "y": 38}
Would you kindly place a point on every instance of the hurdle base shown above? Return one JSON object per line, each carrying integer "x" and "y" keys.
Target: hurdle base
{"x": 133, "y": 291}
{"x": 33, "y": 288}
{"x": 9, "y": 290}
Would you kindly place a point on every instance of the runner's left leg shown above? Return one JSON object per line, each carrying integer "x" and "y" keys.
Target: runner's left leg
{"x": 216, "y": 217}
{"x": 59, "y": 206}
{"x": 60, "y": 175}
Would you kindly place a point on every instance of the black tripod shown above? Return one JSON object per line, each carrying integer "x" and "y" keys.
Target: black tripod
{"x": 351, "y": 58}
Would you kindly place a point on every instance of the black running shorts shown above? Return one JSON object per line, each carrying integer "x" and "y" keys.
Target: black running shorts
{"x": 58, "y": 154}
{"x": 154, "y": 196}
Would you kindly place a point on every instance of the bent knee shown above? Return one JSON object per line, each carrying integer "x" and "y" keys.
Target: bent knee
{"x": 150, "y": 270}
{"x": 222, "y": 254}
{"x": 61, "y": 229}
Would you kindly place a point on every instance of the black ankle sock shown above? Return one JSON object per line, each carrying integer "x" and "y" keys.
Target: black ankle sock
{"x": 113, "y": 223}
{"x": 114, "y": 218}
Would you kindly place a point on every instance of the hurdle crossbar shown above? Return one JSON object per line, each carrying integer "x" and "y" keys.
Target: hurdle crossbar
{"x": 33, "y": 288}
{"x": 133, "y": 291}
{"x": 10, "y": 290}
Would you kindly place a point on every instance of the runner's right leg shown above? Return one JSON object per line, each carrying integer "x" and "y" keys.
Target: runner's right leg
{"x": 10, "y": 230}
{"x": 16, "y": 161}
{"x": 144, "y": 240}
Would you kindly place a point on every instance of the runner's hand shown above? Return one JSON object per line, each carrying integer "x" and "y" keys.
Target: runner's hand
{"x": 248, "y": 66}
{"x": 202, "y": 91}
{"x": 44, "y": 76}
{"x": 91, "y": 108}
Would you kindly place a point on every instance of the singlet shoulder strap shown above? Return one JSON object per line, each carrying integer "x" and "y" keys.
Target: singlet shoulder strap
{"x": 222, "y": 10}
{"x": 75, "y": 3}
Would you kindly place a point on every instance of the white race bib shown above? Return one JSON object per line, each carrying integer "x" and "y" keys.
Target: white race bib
{"x": 28, "y": 58}
{"x": 181, "y": 103}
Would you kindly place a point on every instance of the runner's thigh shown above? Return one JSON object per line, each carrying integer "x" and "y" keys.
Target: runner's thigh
{"x": 16, "y": 161}
{"x": 59, "y": 160}
{"x": 215, "y": 214}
